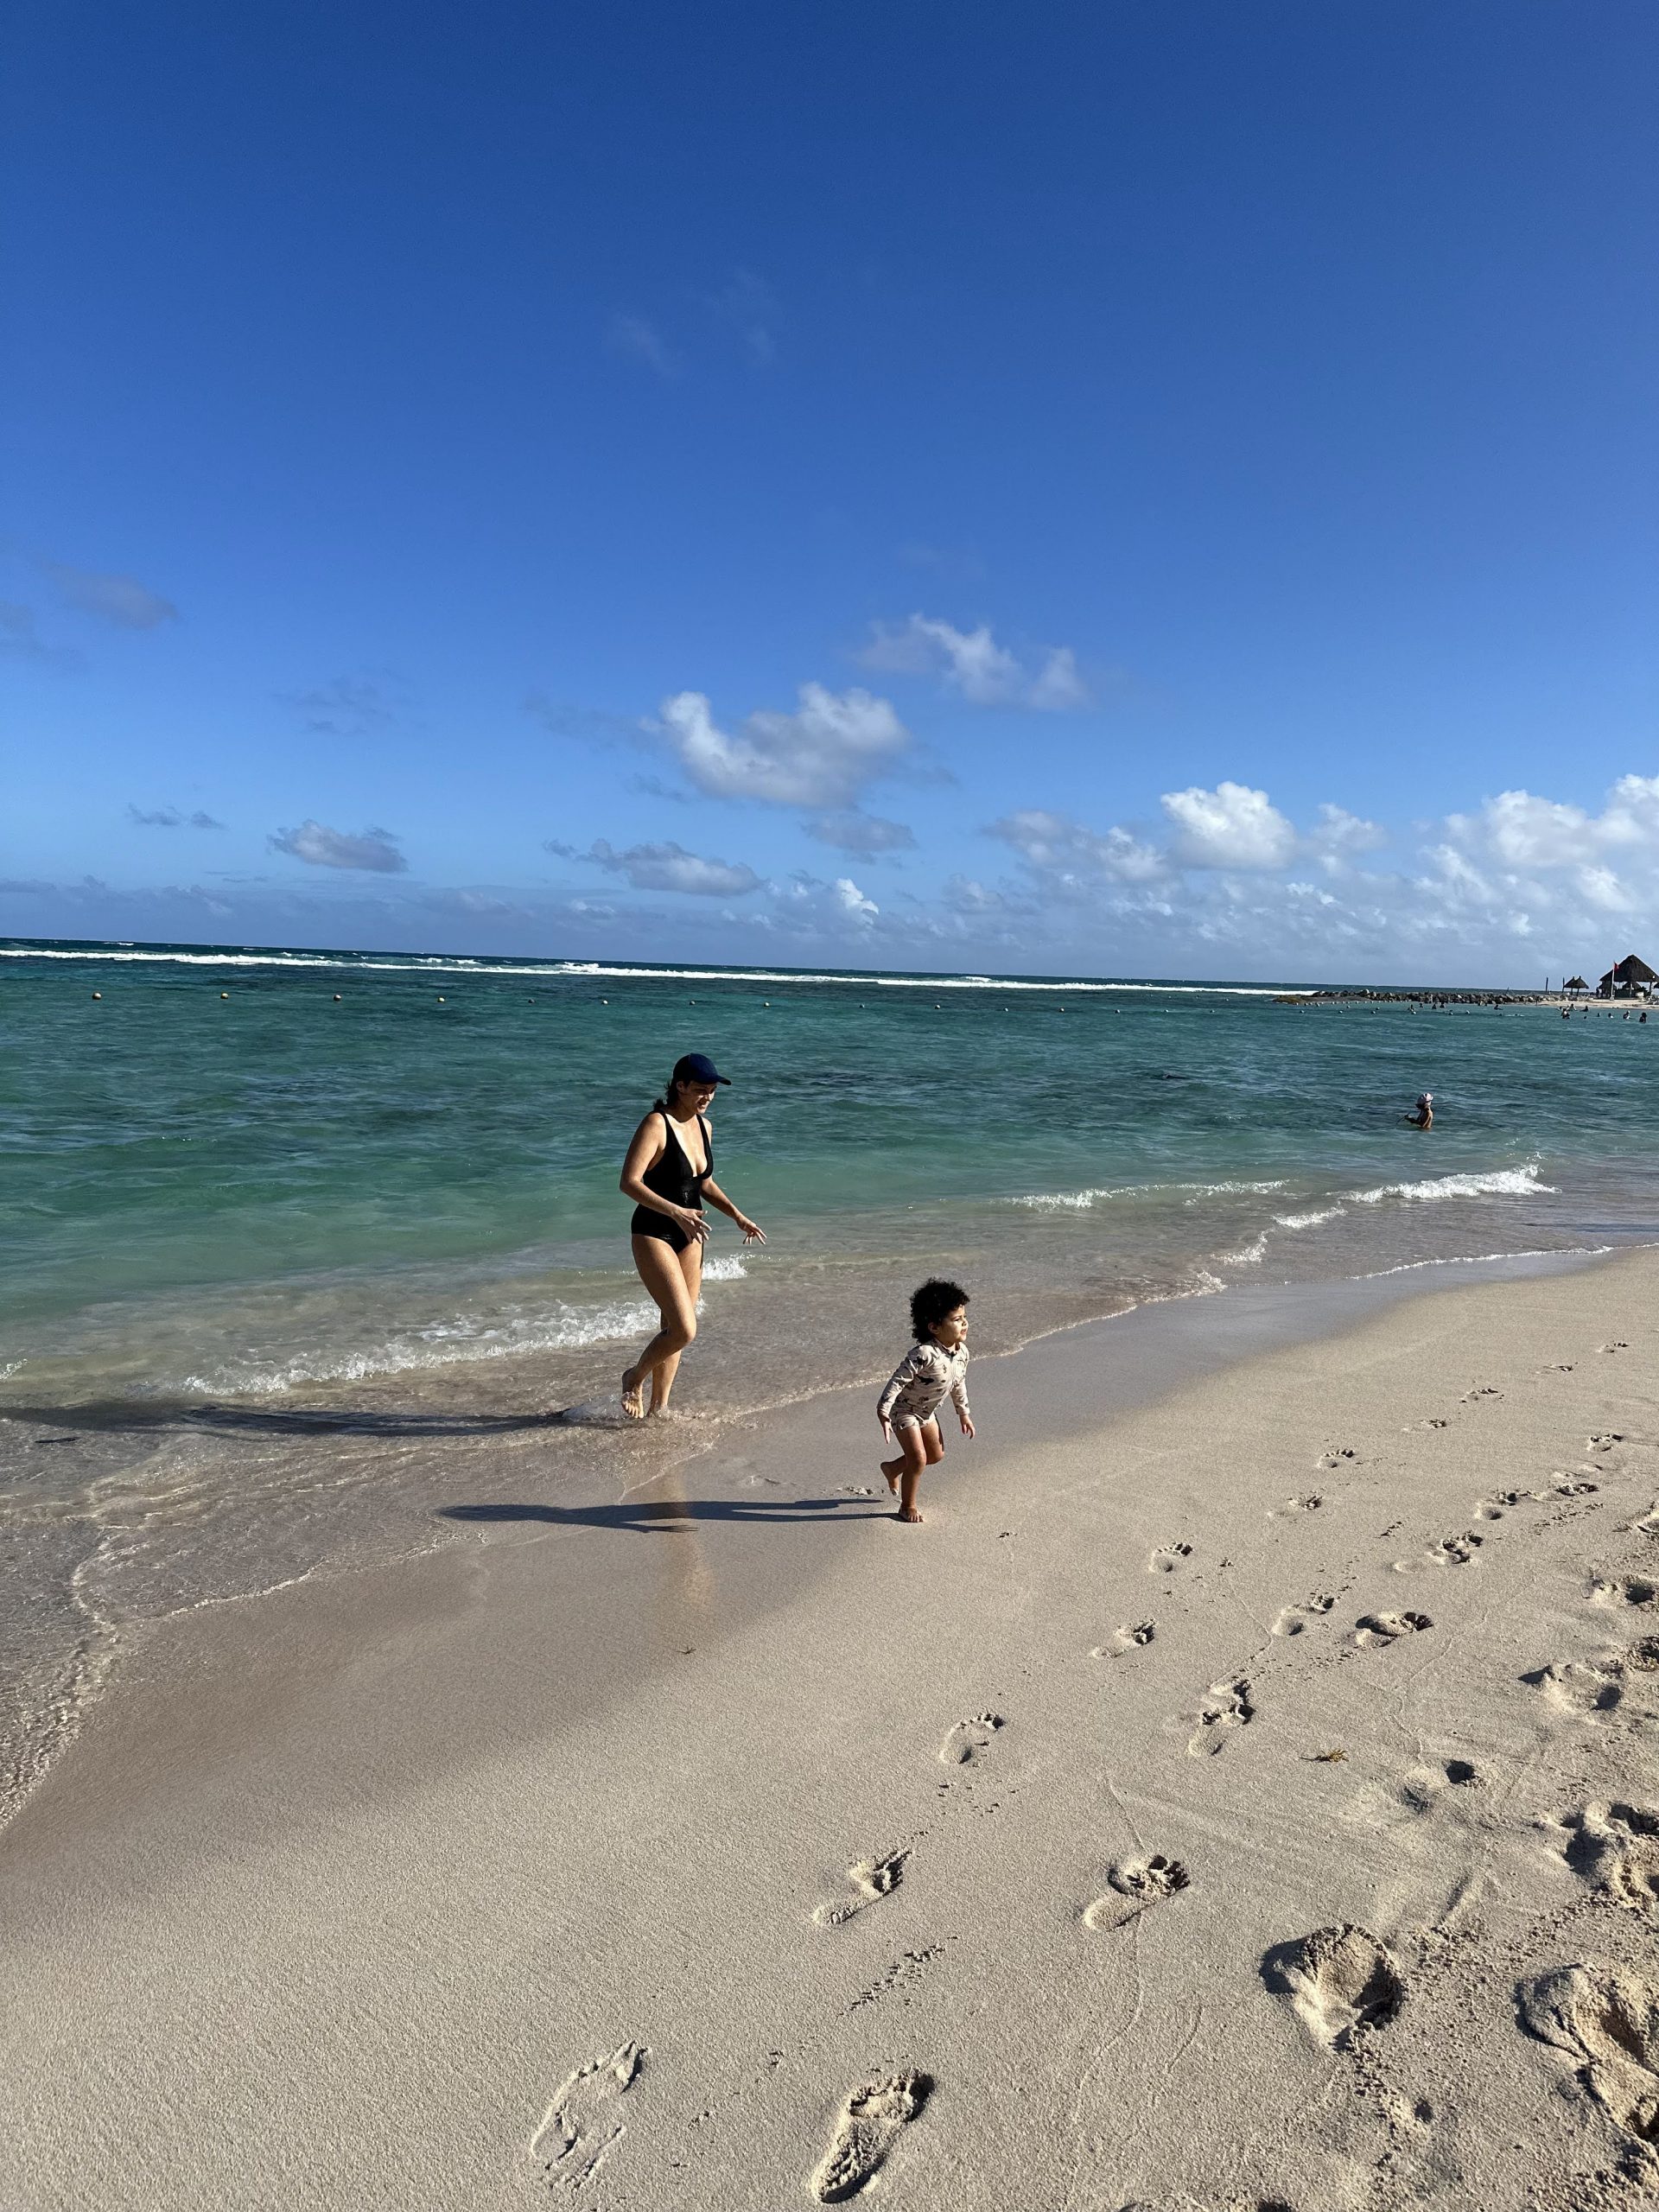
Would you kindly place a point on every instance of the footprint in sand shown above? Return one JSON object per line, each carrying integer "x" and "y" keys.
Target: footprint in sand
{"x": 871, "y": 1879}
{"x": 582, "y": 2123}
{"x": 1310, "y": 1504}
{"x": 1646, "y": 1524}
{"x": 1341, "y": 1982}
{"x": 1229, "y": 1708}
{"x": 1126, "y": 1639}
{"x": 1341, "y": 1455}
{"x": 1616, "y": 1847}
{"x": 1133, "y": 1885}
{"x": 1617, "y": 1345}
{"x": 1294, "y": 1618}
{"x": 1168, "y": 1558}
{"x": 1383, "y": 1629}
{"x": 1581, "y": 1687}
{"x": 1605, "y": 2017}
{"x": 1480, "y": 1391}
{"x": 1563, "y": 1484}
{"x": 1422, "y": 1788}
{"x": 1595, "y": 1689}
{"x": 1452, "y": 1549}
{"x": 1191, "y": 2204}
{"x": 969, "y": 1738}
{"x": 1603, "y": 1441}
{"x": 1624, "y": 1589}
{"x": 866, "y": 2132}
{"x": 1494, "y": 1507}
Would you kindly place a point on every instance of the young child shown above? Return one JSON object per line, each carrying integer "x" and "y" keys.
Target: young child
{"x": 936, "y": 1363}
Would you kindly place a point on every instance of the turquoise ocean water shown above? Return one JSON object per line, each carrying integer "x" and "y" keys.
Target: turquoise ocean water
{"x": 299, "y": 1250}
{"x": 221, "y": 1177}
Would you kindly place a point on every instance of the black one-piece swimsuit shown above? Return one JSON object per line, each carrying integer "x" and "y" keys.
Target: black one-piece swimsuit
{"x": 673, "y": 1178}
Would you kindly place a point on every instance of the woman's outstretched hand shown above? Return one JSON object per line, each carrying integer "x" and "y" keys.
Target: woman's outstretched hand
{"x": 753, "y": 1232}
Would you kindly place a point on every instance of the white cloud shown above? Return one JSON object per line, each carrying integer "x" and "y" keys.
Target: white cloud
{"x": 1057, "y": 687}
{"x": 1337, "y": 833}
{"x": 1053, "y": 844}
{"x": 852, "y": 903}
{"x": 1522, "y": 880}
{"x": 1232, "y": 826}
{"x": 636, "y": 339}
{"x": 849, "y": 829}
{"x": 122, "y": 601}
{"x": 171, "y": 818}
{"x": 670, "y": 868}
{"x": 1524, "y": 831}
{"x": 967, "y": 898}
{"x": 820, "y": 756}
{"x": 375, "y": 851}
{"x": 1605, "y": 892}
{"x": 972, "y": 663}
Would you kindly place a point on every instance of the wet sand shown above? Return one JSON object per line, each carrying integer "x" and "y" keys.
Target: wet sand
{"x": 1238, "y": 1794}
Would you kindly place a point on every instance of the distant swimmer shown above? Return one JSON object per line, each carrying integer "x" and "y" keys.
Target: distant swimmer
{"x": 1421, "y": 1115}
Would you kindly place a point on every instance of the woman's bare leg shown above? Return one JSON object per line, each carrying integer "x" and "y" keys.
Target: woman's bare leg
{"x": 660, "y": 1271}
{"x": 663, "y": 1373}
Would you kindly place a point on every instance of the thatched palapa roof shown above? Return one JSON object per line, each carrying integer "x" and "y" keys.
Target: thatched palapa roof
{"x": 1628, "y": 973}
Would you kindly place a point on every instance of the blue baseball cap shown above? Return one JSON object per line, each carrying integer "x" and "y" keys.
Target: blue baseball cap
{"x": 697, "y": 1067}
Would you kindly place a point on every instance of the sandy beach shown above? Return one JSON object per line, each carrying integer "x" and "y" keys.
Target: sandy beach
{"x": 1237, "y": 1795}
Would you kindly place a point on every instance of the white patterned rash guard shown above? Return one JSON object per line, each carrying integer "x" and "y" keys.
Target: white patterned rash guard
{"x": 918, "y": 1385}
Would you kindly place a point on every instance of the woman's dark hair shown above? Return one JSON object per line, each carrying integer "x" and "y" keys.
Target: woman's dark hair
{"x": 680, "y": 1075}
{"x": 930, "y": 1305}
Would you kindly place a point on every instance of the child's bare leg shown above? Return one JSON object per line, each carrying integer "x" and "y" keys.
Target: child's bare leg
{"x": 923, "y": 1447}
{"x": 894, "y": 1467}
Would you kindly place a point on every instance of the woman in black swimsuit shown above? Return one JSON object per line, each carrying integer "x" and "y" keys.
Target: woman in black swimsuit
{"x": 668, "y": 1172}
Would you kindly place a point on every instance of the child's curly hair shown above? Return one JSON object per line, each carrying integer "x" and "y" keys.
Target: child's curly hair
{"x": 930, "y": 1305}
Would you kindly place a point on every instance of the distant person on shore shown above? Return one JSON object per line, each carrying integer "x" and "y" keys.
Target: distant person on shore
{"x": 935, "y": 1365}
{"x": 668, "y": 1172}
{"x": 1421, "y": 1115}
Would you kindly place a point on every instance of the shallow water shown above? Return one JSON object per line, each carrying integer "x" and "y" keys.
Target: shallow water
{"x": 263, "y": 1191}
{"x": 283, "y": 1273}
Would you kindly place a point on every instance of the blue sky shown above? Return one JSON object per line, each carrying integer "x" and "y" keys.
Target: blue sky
{"x": 1109, "y": 488}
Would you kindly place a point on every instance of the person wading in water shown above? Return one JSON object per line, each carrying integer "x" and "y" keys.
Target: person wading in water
{"x": 669, "y": 1172}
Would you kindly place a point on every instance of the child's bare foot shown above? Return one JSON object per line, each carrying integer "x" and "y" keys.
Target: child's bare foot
{"x": 633, "y": 1403}
{"x": 893, "y": 1468}
{"x": 906, "y": 1513}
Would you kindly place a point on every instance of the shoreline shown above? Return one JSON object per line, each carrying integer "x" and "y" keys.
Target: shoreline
{"x": 1082, "y": 1375}
{"x": 344, "y": 1882}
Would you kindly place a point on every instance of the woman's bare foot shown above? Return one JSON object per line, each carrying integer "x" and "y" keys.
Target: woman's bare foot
{"x": 906, "y": 1513}
{"x": 633, "y": 1403}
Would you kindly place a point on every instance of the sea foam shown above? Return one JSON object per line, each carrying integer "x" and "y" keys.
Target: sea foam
{"x": 1499, "y": 1182}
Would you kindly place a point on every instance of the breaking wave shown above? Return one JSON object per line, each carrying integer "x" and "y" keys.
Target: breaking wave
{"x": 464, "y": 1341}
{"x": 1500, "y": 1182}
